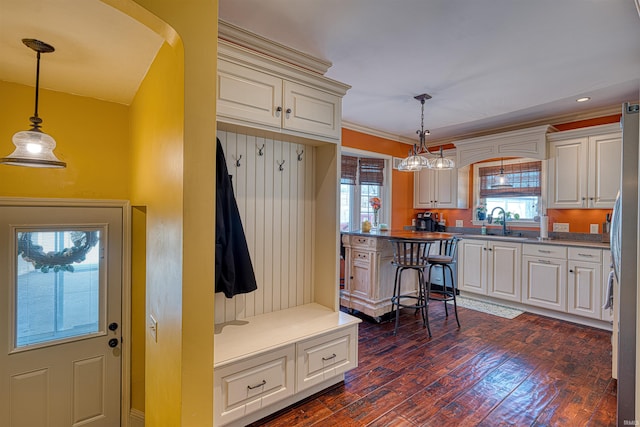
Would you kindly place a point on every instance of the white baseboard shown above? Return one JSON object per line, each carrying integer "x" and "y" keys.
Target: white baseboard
{"x": 136, "y": 418}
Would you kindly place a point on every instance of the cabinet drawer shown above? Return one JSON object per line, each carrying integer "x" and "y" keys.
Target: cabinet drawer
{"x": 250, "y": 385}
{"x": 324, "y": 357}
{"x": 585, "y": 254}
{"x": 549, "y": 251}
{"x": 359, "y": 256}
{"x": 363, "y": 242}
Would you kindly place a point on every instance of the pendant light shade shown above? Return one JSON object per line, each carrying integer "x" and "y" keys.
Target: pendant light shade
{"x": 441, "y": 162}
{"x": 501, "y": 181}
{"x": 34, "y": 148}
{"x": 418, "y": 155}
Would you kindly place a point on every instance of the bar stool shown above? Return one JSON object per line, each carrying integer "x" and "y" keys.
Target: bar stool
{"x": 445, "y": 258}
{"x": 410, "y": 255}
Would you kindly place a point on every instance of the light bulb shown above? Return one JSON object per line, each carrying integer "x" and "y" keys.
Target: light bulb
{"x": 34, "y": 148}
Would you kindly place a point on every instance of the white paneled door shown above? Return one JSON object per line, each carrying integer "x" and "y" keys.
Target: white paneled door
{"x": 60, "y": 306}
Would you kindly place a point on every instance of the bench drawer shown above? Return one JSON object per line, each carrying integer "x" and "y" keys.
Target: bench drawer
{"x": 326, "y": 356}
{"x": 250, "y": 385}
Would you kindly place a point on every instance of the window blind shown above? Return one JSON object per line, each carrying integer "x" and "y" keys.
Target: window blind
{"x": 524, "y": 179}
{"x": 371, "y": 171}
{"x": 349, "y": 170}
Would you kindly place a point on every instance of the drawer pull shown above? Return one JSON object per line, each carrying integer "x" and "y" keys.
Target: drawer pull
{"x": 587, "y": 255}
{"x": 544, "y": 261}
{"x": 325, "y": 359}
{"x": 264, "y": 382}
{"x": 543, "y": 251}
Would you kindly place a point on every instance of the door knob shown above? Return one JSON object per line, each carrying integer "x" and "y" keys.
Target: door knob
{"x": 113, "y": 342}
{"x": 113, "y": 326}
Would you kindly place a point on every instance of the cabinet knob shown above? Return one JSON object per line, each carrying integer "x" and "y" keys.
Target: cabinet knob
{"x": 279, "y": 109}
{"x": 570, "y": 271}
{"x": 288, "y": 111}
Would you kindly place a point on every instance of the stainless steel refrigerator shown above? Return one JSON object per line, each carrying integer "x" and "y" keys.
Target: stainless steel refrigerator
{"x": 625, "y": 256}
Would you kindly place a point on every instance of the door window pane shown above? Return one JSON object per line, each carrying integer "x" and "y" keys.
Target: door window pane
{"x": 58, "y": 287}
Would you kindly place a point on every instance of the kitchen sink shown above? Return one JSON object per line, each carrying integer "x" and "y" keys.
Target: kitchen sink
{"x": 495, "y": 237}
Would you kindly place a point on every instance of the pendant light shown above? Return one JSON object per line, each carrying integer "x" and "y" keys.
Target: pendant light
{"x": 441, "y": 162}
{"x": 502, "y": 181}
{"x": 417, "y": 158}
{"x": 34, "y": 148}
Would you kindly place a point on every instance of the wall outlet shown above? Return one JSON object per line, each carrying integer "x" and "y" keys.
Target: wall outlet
{"x": 594, "y": 228}
{"x": 459, "y": 223}
{"x": 562, "y": 227}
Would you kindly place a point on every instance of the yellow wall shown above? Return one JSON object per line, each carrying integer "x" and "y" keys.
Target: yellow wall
{"x": 175, "y": 136}
{"x": 157, "y": 145}
{"x": 91, "y": 135}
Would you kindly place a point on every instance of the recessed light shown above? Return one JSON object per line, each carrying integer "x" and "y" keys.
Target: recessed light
{"x": 583, "y": 99}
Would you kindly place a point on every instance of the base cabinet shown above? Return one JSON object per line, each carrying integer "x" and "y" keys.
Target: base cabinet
{"x": 584, "y": 285}
{"x": 369, "y": 275}
{"x": 544, "y": 282}
{"x": 490, "y": 268}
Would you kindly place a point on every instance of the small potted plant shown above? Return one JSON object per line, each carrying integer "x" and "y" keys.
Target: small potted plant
{"x": 481, "y": 212}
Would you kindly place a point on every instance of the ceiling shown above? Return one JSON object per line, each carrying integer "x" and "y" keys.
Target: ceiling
{"x": 488, "y": 64}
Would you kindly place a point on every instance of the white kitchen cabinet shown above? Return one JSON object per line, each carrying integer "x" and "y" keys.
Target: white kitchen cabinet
{"x": 472, "y": 266}
{"x": 441, "y": 188}
{"x": 584, "y": 167}
{"x": 544, "y": 276}
{"x": 260, "y": 98}
{"x": 490, "y": 268}
{"x": 584, "y": 282}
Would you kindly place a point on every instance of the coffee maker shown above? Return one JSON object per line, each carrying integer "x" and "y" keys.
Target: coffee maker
{"x": 427, "y": 221}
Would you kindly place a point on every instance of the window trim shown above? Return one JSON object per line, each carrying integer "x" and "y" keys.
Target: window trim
{"x": 543, "y": 185}
{"x": 387, "y": 184}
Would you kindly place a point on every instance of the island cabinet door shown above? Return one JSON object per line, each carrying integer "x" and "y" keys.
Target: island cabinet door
{"x": 472, "y": 264}
{"x": 362, "y": 272}
{"x": 504, "y": 261}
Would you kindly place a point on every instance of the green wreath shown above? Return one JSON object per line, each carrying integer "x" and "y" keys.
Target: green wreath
{"x": 83, "y": 242}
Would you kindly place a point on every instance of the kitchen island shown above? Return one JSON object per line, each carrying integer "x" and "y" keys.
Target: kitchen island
{"x": 369, "y": 274}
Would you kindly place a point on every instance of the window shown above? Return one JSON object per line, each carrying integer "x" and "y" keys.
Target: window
{"x": 362, "y": 178}
{"x": 520, "y": 197}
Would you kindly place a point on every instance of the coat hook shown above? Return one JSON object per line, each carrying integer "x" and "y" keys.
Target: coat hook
{"x": 260, "y": 150}
{"x": 238, "y": 160}
{"x": 280, "y": 166}
{"x": 299, "y": 155}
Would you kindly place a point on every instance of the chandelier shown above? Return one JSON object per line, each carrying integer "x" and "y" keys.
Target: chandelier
{"x": 418, "y": 155}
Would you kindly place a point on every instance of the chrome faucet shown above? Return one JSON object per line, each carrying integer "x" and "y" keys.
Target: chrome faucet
{"x": 504, "y": 219}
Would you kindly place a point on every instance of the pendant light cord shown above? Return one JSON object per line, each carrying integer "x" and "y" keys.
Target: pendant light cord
{"x": 35, "y": 120}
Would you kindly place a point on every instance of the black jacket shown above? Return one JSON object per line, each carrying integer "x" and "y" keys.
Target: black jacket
{"x": 234, "y": 271}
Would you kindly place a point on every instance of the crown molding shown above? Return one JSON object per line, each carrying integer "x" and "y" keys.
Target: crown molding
{"x": 375, "y": 132}
{"x": 252, "y": 41}
{"x": 552, "y": 120}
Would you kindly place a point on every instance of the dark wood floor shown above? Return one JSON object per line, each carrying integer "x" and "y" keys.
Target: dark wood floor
{"x": 529, "y": 371}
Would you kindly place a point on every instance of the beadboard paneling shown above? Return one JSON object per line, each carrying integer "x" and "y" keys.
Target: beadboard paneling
{"x": 276, "y": 207}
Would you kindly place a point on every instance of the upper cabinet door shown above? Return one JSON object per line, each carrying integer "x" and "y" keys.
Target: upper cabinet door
{"x": 585, "y": 168}
{"x": 246, "y": 94}
{"x": 424, "y": 189}
{"x": 445, "y": 188}
{"x": 311, "y": 111}
{"x": 568, "y": 174}
{"x": 605, "y": 164}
